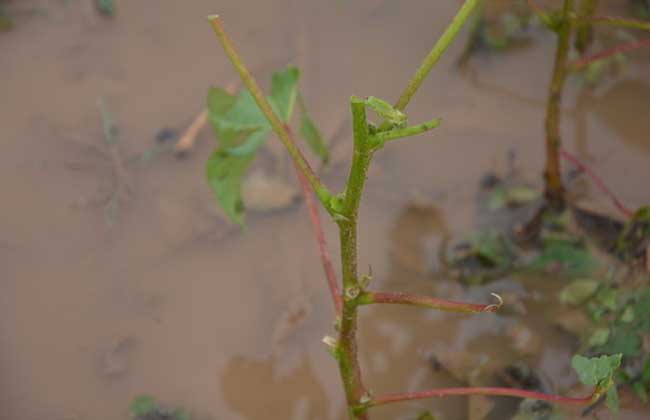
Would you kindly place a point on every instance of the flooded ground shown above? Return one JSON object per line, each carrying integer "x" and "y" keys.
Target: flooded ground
{"x": 106, "y": 298}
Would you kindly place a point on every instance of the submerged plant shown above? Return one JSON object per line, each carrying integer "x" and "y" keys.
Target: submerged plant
{"x": 574, "y": 24}
{"x": 242, "y": 128}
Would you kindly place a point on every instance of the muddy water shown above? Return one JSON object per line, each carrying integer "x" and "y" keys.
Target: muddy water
{"x": 159, "y": 295}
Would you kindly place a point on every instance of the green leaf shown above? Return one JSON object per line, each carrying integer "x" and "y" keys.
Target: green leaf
{"x": 250, "y": 145}
{"x": 284, "y": 89}
{"x": 426, "y": 415}
{"x": 106, "y": 7}
{"x": 143, "y": 405}
{"x": 624, "y": 342}
{"x": 578, "y": 292}
{"x": 612, "y": 400}
{"x": 596, "y": 371}
{"x": 312, "y": 135}
{"x": 225, "y": 173}
{"x": 566, "y": 256}
{"x": 599, "y": 337}
{"x": 385, "y": 110}
{"x": 628, "y": 314}
{"x": 241, "y": 129}
{"x": 244, "y": 114}
{"x": 219, "y": 101}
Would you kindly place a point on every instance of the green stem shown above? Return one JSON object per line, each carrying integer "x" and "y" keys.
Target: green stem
{"x": 278, "y": 126}
{"x": 438, "y": 49}
{"x": 348, "y": 354}
{"x": 377, "y": 140}
{"x": 554, "y": 191}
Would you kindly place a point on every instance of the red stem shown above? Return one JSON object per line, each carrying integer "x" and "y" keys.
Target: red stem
{"x": 585, "y": 61}
{"x": 598, "y": 181}
{"x": 326, "y": 259}
{"x": 504, "y": 392}
{"x": 429, "y": 302}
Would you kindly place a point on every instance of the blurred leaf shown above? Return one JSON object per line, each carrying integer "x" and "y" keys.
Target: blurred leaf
{"x": 596, "y": 371}
{"x": 599, "y": 337}
{"x": 309, "y": 131}
{"x": 578, "y": 292}
{"x": 143, "y": 405}
{"x": 106, "y": 7}
{"x": 243, "y": 114}
{"x": 628, "y": 314}
{"x": 425, "y": 416}
{"x": 492, "y": 249}
{"x": 241, "y": 129}
{"x": 626, "y": 343}
{"x": 565, "y": 256}
{"x": 225, "y": 173}
{"x": 612, "y": 400}
{"x": 512, "y": 197}
{"x": 385, "y": 110}
{"x": 284, "y": 89}
{"x": 219, "y": 101}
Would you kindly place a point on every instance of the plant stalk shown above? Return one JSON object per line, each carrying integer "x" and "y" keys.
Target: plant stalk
{"x": 554, "y": 191}
{"x": 348, "y": 351}
{"x": 436, "y": 52}
{"x": 278, "y": 126}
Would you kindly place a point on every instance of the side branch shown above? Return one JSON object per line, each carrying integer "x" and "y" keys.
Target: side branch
{"x": 438, "y": 49}
{"x": 585, "y": 61}
{"x": 598, "y": 181}
{"x": 278, "y": 126}
{"x": 382, "y": 137}
{"x": 489, "y": 391}
{"x": 429, "y": 302}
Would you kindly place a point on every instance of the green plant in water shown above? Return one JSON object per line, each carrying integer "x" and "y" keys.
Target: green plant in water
{"x": 574, "y": 24}
{"x": 241, "y": 129}
{"x": 145, "y": 407}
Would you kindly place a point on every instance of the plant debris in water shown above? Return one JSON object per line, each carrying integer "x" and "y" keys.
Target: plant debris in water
{"x": 106, "y": 7}
{"x": 145, "y": 407}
